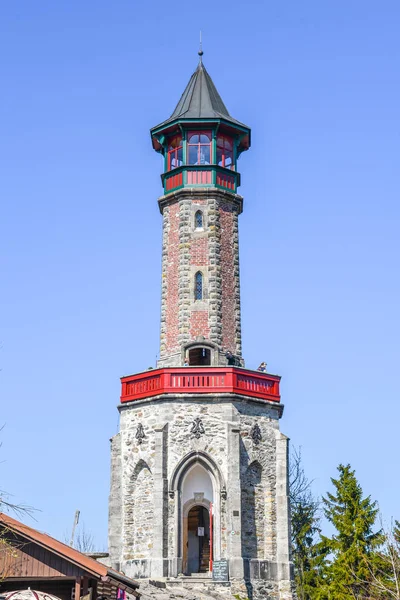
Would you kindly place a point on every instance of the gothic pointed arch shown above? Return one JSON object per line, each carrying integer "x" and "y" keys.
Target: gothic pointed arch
{"x": 255, "y": 467}
{"x": 140, "y": 465}
{"x": 219, "y": 492}
{"x": 139, "y": 511}
{"x": 253, "y": 511}
{"x": 206, "y": 461}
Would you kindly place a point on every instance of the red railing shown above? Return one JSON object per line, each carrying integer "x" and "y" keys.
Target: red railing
{"x": 198, "y": 177}
{"x": 173, "y": 181}
{"x": 226, "y": 181}
{"x": 200, "y": 380}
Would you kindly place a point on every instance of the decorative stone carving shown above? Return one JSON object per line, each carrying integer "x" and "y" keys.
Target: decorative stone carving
{"x": 171, "y": 494}
{"x": 197, "y": 428}
{"x": 223, "y": 494}
{"x": 256, "y": 434}
{"x": 140, "y": 435}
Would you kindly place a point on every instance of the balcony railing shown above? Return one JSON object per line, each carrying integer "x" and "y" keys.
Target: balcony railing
{"x": 200, "y": 380}
{"x": 200, "y": 175}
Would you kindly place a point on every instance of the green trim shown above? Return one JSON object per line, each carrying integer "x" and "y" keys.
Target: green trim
{"x": 184, "y": 149}
{"x": 214, "y": 145}
{"x": 211, "y": 167}
{"x": 178, "y": 187}
{"x": 182, "y": 122}
{"x": 166, "y": 160}
{"x": 221, "y": 187}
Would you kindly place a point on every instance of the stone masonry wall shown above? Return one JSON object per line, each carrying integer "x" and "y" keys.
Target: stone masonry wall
{"x": 229, "y": 260}
{"x": 214, "y": 251}
{"x": 115, "y": 504}
{"x": 257, "y": 464}
{"x": 170, "y": 281}
{"x": 135, "y": 473}
{"x": 137, "y": 460}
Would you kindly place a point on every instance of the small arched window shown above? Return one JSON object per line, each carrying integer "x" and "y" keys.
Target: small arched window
{"x": 198, "y": 286}
{"x": 198, "y": 219}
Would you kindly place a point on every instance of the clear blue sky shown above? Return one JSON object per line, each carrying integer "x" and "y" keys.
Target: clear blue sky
{"x": 80, "y": 231}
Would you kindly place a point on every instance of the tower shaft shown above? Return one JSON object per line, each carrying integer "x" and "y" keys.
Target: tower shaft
{"x": 200, "y": 275}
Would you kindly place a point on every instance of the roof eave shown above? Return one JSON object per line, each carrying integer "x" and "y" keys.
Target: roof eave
{"x": 159, "y": 131}
{"x": 36, "y": 537}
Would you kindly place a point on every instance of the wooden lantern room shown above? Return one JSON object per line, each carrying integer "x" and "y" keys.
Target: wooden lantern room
{"x": 200, "y": 142}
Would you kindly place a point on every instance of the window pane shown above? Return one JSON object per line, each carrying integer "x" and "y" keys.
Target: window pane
{"x": 198, "y": 290}
{"x": 179, "y": 160}
{"x": 194, "y": 138}
{"x": 192, "y": 155}
{"x": 204, "y": 155}
{"x": 228, "y": 161}
{"x": 198, "y": 219}
{"x": 219, "y": 156}
{"x": 205, "y": 137}
{"x": 228, "y": 144}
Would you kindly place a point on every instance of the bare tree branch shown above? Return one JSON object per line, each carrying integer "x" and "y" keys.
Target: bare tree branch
{"x": 85, "y": 541}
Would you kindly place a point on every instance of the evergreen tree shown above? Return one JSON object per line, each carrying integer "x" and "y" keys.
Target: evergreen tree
{"x": 396, "y": 532}
{"x": 306, "y": 558}
{"x": 353, "y": 548}
{"x": 305, "y": 518}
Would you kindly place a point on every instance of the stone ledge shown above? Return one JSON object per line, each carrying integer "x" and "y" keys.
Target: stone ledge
{"x": 202, "y": 193}
{"x": 205, "y": 398}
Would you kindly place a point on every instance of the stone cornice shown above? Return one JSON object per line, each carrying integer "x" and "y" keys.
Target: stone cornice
{"x": 203, "y": 398}
{"x": 201, "y": 193}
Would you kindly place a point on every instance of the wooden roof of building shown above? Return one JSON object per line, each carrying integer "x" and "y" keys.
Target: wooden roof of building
{"x": 78, "y": 559}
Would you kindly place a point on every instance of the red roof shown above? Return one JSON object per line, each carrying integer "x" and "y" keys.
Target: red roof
{"x": 48, "y": 542}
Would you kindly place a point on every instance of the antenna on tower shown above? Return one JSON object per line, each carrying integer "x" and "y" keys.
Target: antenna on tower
{"x": 76, "y": 521}
{"x": 201, "y": 48}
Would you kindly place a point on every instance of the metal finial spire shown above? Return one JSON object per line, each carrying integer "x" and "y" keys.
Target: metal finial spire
{"x": 201, "y": 49}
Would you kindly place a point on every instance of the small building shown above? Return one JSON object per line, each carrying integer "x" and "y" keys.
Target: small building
{"x": 31, "y": 559}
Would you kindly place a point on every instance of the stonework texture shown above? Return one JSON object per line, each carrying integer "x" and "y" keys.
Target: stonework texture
{"x": 248, "y": 484}
{"x": 212, "y": 250}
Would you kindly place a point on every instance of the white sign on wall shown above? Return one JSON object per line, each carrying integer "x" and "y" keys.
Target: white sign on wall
{"x": 200, "y": 531}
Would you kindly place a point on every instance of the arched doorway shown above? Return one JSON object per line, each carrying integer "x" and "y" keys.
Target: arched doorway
{"x": 197, "y": 497}
{"x": 198, "y": 540}
{"x": 196, "y": 482}
{"x": 200, "y": 357}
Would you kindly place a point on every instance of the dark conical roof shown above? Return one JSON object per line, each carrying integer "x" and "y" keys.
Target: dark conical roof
{"x": 201, "y": 100}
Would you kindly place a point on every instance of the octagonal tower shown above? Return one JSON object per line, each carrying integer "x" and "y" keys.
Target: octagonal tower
{"x": 201, "y": 144}
{"x": 199, "y": 489}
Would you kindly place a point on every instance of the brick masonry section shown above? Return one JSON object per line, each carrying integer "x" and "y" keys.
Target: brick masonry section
{"x": 199, "y": 324}
{"x": 170, "y": 278}
{"x": 199, "y": 251}
{"x": 213, "y": 250}
{"x": 231, "y": 328}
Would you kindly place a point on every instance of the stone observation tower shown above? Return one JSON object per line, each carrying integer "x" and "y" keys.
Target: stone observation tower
{"x": 199, "y": 486}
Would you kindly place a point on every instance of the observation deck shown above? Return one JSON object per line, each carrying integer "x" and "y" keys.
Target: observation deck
{"x": 200, "y": 380}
